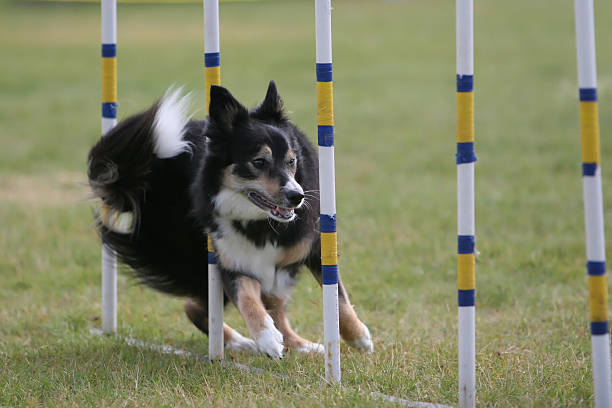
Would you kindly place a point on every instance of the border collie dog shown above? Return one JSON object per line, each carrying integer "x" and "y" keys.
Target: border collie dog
{"x": 249, "y": 178}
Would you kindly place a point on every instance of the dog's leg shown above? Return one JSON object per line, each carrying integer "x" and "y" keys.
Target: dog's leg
{"x": 278, "y": 310}
{"x": 197, "y": 312}
{"x": 352, "y": 330}
{"x": 245, "y": 292}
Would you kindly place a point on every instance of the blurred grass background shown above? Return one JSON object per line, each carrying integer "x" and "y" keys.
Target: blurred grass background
{"x": 394, "y": 80}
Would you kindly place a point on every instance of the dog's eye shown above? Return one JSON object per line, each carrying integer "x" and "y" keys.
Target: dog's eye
{"x": 258, "y": 163}
{"x": 291, "y": 162}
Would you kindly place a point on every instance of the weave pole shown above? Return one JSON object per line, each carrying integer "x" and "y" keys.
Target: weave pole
{"x": 212, "y": 76}
{"x": 109, "y": 120}
{"x": 593, "y": 203}
{"x": 466, "y": 280}
{"x": 327, "y": 186}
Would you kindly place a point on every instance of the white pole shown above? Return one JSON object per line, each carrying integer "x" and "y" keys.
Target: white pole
{"x": 593, "y": 203}
{"x": 466, "y": 157}
{"x": 109, "y": 120}
{"x": 329, "y": 251}
{"x": 212, "y": 76}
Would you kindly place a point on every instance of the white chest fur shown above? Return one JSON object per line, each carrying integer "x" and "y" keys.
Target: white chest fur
{"x": 237, "y": 253}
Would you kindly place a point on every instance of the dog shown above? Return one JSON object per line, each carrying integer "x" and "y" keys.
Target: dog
{"x": 247, "y": 178}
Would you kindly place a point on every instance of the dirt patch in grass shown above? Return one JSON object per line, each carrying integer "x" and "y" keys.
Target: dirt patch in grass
{"x": 49, "y": 190}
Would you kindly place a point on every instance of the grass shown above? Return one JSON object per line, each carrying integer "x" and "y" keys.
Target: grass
{"x": 395, "y": 116}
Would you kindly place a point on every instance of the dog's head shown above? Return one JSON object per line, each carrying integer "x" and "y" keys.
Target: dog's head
{"x": 256, "y": 157}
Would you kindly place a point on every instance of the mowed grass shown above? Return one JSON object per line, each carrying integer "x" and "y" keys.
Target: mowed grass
{"x": 394, "y": 70}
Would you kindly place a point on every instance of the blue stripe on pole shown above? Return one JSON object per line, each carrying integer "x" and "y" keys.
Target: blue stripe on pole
{"x": 588, "y": 169}
{"x": 330, "y": 274}
{"x": 326, "y": 135}
{"x": 588, "y": 94}
{"x": 328, "y": 223}
{"x": 212, "y": 59}
{"x": 465, "y": 244}
{"x": 600, "y": 328}
{"x": 324, "y": 72}
{"x": 211, "y": 258}
{"x": 465, "y": 153}
{"x": 109, "y": 50}
{"x": 109, "y": 110}
{"x": 465, "y": 83}
{"x": 466, "y": 297}
{"x": 596, "y": 268}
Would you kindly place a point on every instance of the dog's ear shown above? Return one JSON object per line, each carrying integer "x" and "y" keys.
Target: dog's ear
{"x": 225, "y": 111}
{"x": 271, "y": 109}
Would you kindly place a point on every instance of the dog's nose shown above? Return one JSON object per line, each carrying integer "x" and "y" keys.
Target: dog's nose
{"x": 294, "y": 197}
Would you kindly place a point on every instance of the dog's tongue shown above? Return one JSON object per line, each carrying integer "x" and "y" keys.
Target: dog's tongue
{"x": 283, "y": 211}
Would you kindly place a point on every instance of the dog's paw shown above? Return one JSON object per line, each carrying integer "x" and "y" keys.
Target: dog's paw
{"x": 364, "y": 343}
{"x": 311, "y": 348}
{"x": 240, "y": 343}
{"x": 270, "y": 340}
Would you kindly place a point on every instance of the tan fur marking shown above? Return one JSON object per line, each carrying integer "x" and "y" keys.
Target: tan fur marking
{"x": 295, "y": 253}
{"x": 277, "y": 309}
{"x": 234, "y": 182}
{"x": 263, "y": 183}
{"x": 291, "y": 155}
{"x": 265, "y": 151}
{"x": 351, "y": 328}
{"x": 250, "y": 306}
{"x": 227, "y": 333}
{"x": 237, "y": 183}
{"x": 270, "y": 186}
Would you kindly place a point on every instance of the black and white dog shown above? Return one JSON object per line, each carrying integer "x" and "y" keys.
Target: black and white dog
{"x": 248, "y": 178}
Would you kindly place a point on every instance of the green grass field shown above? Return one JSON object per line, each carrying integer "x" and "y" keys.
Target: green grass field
{"x": 394, "y": 64}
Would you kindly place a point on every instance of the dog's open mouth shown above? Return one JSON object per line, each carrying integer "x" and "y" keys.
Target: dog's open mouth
{"x": 280, "y": 213}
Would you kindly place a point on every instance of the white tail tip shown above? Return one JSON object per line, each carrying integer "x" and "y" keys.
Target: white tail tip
{"x": 169, "y": 125}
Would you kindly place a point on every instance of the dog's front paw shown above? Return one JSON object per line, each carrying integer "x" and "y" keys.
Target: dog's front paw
{"x": 270, "y": 340}
{"x": 240, "y": 343}
{"x": 308, "y": 348}
{"x": 363, "y": 343}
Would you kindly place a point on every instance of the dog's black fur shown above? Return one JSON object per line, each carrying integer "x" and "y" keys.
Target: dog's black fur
{"x": 174, "y": 200}
{"x": 166, "y": 249}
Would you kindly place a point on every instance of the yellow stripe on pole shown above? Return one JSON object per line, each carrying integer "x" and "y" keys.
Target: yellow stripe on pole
{"x": 589, "y": 132}
{"x": 466, "y": 276}
{"x": 598, "y": 298}
{"x": 325, "y": 104}
{"x": 210, "y": 245}
{"x": 329, "y": 248}
{"x": 465, "y": 117}
{"x": 212, "y": 76}
{"x": 109, "y": 80}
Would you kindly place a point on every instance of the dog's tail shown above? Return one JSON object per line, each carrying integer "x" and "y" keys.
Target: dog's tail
{"x": 142, "y": 170}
